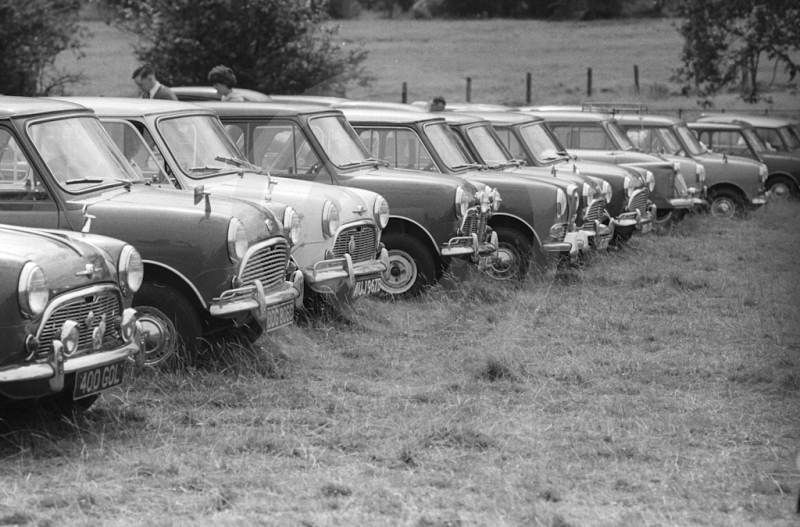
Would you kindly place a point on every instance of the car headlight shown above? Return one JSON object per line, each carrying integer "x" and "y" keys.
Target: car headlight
{"x": 330, "y": 219}
{"x": 291, "y": 225}
{"x": 32, "y": 291}
{"x": 462, "y": 202}
{"x": 587, "y": 190}
{"x": 676, "y": 165}
{"x": 763, "y": 172}
{"x": 650, "y": 180}
{"x": 496, "y": 200}
{"x": 237, "y": 240}
{"x": 605, "y": 188}
{"x": 131, "y": 269}
{"x": 680, "y": 186}
{"x": 381, "y": 211}
{"x": 561, "y": 203}
{"x": 701, "y": 175}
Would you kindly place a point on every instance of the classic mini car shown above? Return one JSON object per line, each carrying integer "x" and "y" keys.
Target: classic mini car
{"x": 626, "y": 197}
{"x": 596, "y": 136}
{"x": 210, "y": 264}
{"x": 781, "y": 153}
{"x": 535, "y": 217}
{"x": 479, "y": 138}
{"x": 434, "y": 217}
{"x": 66, "y": 323}
{"x": 730, "y": 180}
{"x": 338, "y": 250}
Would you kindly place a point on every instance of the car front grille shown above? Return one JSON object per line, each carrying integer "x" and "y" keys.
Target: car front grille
{"x": 266, "y": 262}
{"x": 77, "y": 306}
{"x": 472, "y": 223}
{"x": 363, "y": 246}
{"x": 596, "y": 211}
{"x": 639, "y": 200}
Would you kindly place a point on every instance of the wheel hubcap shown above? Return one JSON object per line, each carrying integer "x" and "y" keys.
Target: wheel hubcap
{"x": 402, "y": 273}
{"x": 159, "y": 334}
{"x": 723, "y": 208}
{"x": 505, "y": 265}
{"x": 780, "y": 191}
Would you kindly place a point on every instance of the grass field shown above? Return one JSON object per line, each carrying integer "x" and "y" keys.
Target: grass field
{"x": 436, "y": 56}
{"x": 659, "y": 385}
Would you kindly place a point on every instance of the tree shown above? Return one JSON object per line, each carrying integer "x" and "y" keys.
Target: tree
{"x": 273, "y": 46}
{"x": 32, "y": 34}
{"x": 725, "y": 41}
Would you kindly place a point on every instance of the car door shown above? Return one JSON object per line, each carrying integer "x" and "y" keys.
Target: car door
{"x": 24, "y": 199}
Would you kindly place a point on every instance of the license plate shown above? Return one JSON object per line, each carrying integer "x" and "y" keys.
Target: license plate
{"x": 367, "y": 286}
{"x": 279, "y": 316}
{"x": 603, "y": 245}
{"x": 95, "y": 380}
{"x": 647, "y": 227}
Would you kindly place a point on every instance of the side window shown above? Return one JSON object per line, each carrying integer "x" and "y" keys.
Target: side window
{"x": 771, "y": 138}
{"x": 135, "y": 149}
{"x": 512, "y": 143}
{"x": 593, "y": 138}
{"x": 282, "y": 149}
{"x": 18, "y": 181}
{"x": 371, "y": 141}
{"x": 640, "y": 137}
{"x": 564, "y": 134}
{"x": 411, "y": 153}
{"x": 730, "y": 142}
{"x": 237, "y": 134}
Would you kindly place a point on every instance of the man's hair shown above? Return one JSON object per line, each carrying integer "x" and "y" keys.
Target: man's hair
{"x": 223, "y": 75}
{"x": 439, "y": 99}
{"x": 145, "y": 70}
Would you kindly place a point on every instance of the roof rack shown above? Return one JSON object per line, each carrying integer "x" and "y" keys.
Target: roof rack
{"x": 614, "y": 108}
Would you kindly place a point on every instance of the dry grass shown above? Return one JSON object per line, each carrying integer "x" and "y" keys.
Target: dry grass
{"x": 659, "y": 385}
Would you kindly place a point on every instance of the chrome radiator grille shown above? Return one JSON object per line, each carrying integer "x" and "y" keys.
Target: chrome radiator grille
{"x": 472, "y": 223}
{"x": 266, "y": 263}
{"x": 77, "y": 308}
{"x": 596, "y": 211}
{"x": 363, "y": 246}
{"x": 639, "y": 201}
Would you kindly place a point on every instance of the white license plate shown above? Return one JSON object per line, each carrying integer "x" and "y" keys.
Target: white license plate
{"x": 647, "y": 227}
{"x": 279, "y": 316}
{"x": 603, "y": 245}
{"x": 368, "y": 286}
{"x": 95, "y": 380}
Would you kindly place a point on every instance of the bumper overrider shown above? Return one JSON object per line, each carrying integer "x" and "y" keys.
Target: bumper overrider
{"x": 476, "y": 239}
{"x": 336, "y": 275}
{"x": 762, "y": 198}
{"x": 698, "y": 196}
{"x": 599, "y": 234}
{"x": 58, "y": 365}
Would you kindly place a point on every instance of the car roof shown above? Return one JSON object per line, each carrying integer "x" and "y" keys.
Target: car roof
{"x": 573, "y": 116}
{"x": 708, "y": 125}
{"x": 477, "y": 107}
{"x": 209, "y": 93}
{"x": 310, "y": 99}
{"x": 130, "y": 106}
{"x": 506, "y": 118}
{"x": 380, "y": 105}
{"x": 250, "y": 109}
{"x": 387, "y": 115}
{"x": 552, "y": 108}
{"x": 647, "y": 119}
{"x": 11, "y": 106}
{"x": 462, "y": 118}
{"x": 759, "y": 121}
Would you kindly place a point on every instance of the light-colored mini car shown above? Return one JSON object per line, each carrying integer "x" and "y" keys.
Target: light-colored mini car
{"x": 338, "y": 250}
{"x": 66, "y": 323}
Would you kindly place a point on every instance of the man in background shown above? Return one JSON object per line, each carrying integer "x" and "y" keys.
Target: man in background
{"x": 437, "y": 104}
{"x": 145, "y": 78}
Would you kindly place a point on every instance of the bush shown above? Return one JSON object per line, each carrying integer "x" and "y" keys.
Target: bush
{"x": 273, "y": 46}
{"x": 32, "y": 34}
{"x": 344, "y": 9}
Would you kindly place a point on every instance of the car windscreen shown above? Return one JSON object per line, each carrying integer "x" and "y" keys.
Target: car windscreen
{"x": 339, "y": 141}
{"x": 489, "y": 148}
{"x": 690, "y": 140}
{"x": 541, "y": 143}
{"x": 80, "y": 154}
{"x": 754, "y": 140}
{"x": 200, "y": 146}
{"x": 789, "y": 138}
{"x": 619, "y": 136}
{"x": 446, "y": 145}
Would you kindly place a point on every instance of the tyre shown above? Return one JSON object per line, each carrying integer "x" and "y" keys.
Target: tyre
{"x": 782, "y": 188}
{"x": 513, "y": 255}
{"x": 724, "y": 203}
{"x": 666, "y": 217}
{"x": 412, "y": 268}
{"x": 168, "y": 320}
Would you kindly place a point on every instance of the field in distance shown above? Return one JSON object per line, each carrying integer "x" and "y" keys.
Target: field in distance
{"x": 659, "y": 385}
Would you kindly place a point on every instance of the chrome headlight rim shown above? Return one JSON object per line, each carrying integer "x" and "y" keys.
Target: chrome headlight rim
{"x": 561, "y": 203}
{"x": 650, "y": 180}
{"x": 330, "y": 219}
{"x": 607, "y": 191}
{"x": 627, "y": 186}
{"x": 131, "y": 269}
{"x": 237, "y": 240}
{"x": 461, "y": 202}
{"x": 381, "y": 212}
{"x": 763, "y": 171}
{"x": 32, "y": 292}
{"x": 701, "y": 174}
{"x": 291, "y": 225}
{"x": 496, "y": 200}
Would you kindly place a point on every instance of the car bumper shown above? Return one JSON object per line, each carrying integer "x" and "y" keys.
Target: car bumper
{"x": 469, "y": 246}
{"x": 340, "y": 275}
{"x": 254, "y": 300}
{"x": 636, "y": 219}
{"x": 600, "y": 235}
{"x": 762, "y": 198}
{"x": 683, "y": 203}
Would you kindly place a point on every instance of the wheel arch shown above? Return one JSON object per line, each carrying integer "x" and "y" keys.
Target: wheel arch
{"x": 730, "y": 187}
{"x": 163, "y": 274}
{"x": 402, "y": 225}
{"x": 787, "y": 175}
{"x": 513, "y": 222}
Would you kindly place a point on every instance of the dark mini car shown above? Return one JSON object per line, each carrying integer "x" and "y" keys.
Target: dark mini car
{"x": 210, "y": 264}
{"x": 729, "y": 179}
{"x": 781, "y": 153}
{"x": 66, "y": 323}
{"x": 528, "y": 138}
{"x": 433, "y": 217}
{"x": 596, "y": 136}
{"x": 536, "y": 216}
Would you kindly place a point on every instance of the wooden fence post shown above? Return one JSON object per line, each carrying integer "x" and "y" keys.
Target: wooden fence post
{"x": 405, "y": 93}
{"x": 636, "y": 78}
{"x": 528, "y": 88}
{"x": 469, "y": 89}
{"x": 589, "y": 82}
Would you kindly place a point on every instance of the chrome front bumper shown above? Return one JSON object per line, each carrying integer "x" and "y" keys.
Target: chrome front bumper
{"x": 683, "y": 203}
{"x": 762, "y": 198}
{"x": 339, "y": 275}
{"x": 469, "y": 246}
{"x": 253, "y": 299}
{"x": 601, "y": 234}
{"x": 635, "y": 218}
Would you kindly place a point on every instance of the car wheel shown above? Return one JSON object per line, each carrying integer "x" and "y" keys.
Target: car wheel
{"x": 724, "y": 204}
{"x": 664, "y": 217}
{"x": 513, "y": 256}
{"x": 782, "y": 188}
{"x": 168, "y": 321}
{"x": 411, "y": 266}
